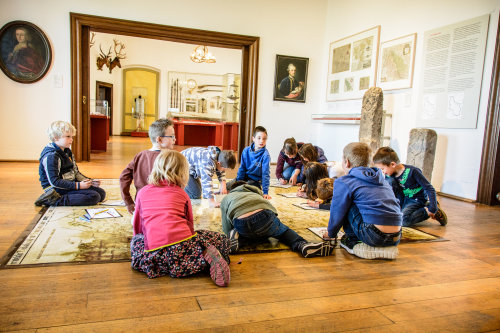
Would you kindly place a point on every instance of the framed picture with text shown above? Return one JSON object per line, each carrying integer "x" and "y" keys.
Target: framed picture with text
{"x": 352, "y": 66}
{"x": 25, "y": 53}
{"x": 290, "y": 79}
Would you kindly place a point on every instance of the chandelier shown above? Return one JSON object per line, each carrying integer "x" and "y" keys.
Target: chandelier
{"x": 201, "y": 54}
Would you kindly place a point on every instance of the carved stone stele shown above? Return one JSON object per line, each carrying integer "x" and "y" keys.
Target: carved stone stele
{"x": 370, "y": 126}
{"x": 422, "y": 150}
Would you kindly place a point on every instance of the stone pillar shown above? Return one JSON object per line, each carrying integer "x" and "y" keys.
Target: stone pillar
{"x": 370, "y": 126}
{"x": 422, "y": 149}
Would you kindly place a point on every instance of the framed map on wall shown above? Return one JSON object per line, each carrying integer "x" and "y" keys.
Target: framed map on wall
{"x": 397, "y": 58}
{"x": 352, "y": 65}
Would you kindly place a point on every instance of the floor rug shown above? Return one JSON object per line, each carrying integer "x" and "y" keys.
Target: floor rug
{"x": 60, "y": 235}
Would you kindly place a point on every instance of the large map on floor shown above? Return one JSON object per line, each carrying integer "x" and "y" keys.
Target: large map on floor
{"x": 63, "y": 235}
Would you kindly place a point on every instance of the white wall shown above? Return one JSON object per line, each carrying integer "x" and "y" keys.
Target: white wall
{"x": 162, "y": 56}
{"x": 27, "y": 109}
{"x": 458, "y": 154}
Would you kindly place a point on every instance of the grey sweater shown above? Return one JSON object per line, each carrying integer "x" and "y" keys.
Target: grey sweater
{"x": 239, "y": 201}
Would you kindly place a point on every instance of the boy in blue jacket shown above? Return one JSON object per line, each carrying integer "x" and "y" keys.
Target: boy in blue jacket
{"x": 364, "y": 204}
{"x": 62, "y": 182}
{"x": 255, "y": 162}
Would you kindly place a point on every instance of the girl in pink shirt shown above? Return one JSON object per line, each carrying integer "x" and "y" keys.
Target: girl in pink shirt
{"x": 165, "y": 242}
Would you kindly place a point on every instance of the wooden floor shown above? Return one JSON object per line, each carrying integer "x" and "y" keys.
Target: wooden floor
{"x": 432, "y": 287}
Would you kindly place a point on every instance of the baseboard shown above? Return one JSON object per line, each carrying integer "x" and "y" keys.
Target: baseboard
{"x": 451, "y": 196}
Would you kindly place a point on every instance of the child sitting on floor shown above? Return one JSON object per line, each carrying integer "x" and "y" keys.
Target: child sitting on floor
{"x": 162, "y": 136}
{"x": 309, "y": 153}
{"x": 324, "y": 191}
{"x": 165, "y": 242}
{"x": 313, "y": 172}
{"x": 416, "y": 195}
{"x": 247, "y": 215}
{"x": 364, "y": 205}
{"x": 289, "y": 164}
{"x": 62, "y": 182}
{"x": 255, "y": 162}
{"x": 203, "y": 164}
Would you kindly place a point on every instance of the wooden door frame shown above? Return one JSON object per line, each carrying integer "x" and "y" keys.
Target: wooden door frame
{"x": 99, "y": 84}
{"x": 82, "y": 25}
{"x": 489, "y": 173}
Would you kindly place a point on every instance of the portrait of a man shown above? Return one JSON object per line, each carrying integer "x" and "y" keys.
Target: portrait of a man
{"x": 290, "y": 78}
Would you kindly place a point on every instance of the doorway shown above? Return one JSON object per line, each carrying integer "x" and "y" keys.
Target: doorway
{"x": 82, "y": 25}
{"x": 104, "y": 92}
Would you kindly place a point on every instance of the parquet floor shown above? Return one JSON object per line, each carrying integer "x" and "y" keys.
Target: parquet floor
{"x": 432, "y": 287}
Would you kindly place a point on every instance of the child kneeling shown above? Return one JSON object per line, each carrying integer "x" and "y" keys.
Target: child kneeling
{"x": 165, "y": 242}
{"x": 246, "y": 214}
{"x": 364, "y": 204}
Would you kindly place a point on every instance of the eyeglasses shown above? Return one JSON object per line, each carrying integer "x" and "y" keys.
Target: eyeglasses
{"x": 168, "y": 136}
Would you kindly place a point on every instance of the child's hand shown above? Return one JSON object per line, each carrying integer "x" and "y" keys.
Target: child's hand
{"x": 223, "y": 189}
{"x": 293, "y": 180}
{"x": 431, "y": 215}
{"x": 131, "y": 208}
{"x": 213, "y": 204}
{"x": 301, "y": 194}
{"x": 314, "y": 204}
{"x": 85, "y": 184}
{"x": 96, "y": 182}
{"x": 325, "y": 235}
{"x": 282, "y": 181}
{"x": 266, "y": 196}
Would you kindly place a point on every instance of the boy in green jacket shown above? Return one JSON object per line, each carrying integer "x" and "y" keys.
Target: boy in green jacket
{"x": 247, "y": 214}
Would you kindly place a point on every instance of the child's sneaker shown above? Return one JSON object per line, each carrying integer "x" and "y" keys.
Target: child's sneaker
{"x": 48, "y": 198}
{"x": 219, "y": 269}
{"x": 441, "y": 217}
{"x": 366, "y": 251}
{"x": 309, "y": 250}
{"x": 234, "y": 241}
{"x": 348, "y": 243}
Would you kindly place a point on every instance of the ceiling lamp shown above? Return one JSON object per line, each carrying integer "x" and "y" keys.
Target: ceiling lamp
{"x": 201, "y": 54}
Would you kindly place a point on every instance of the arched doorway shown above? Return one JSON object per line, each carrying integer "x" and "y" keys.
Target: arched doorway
{"x": 82, "y": 25}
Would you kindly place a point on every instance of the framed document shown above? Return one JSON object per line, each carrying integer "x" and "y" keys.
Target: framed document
{"x": 397, "y": 58}
{"x": 352, "y": 66}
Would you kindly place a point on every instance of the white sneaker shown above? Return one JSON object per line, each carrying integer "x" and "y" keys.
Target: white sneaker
{"x": 366, "y": 251}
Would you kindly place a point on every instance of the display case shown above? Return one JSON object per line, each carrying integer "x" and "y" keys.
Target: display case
{"x": 205, "y": 108}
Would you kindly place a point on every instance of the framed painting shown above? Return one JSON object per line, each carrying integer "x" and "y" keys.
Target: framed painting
{"x": 352, "y": 65}
{"x": 397, "y": 58}
{"x": 25, "y": 53}
{"x": 290, "y": 79}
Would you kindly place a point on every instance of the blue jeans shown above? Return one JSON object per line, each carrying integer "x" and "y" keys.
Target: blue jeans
{"x": 266, "y": 224}
{"x": 193, "y": 188}
{"x": 368, "y": 233}
{"x": 413, "y": 212}
{"x": 88, "y": 197}
{"x": 288, "y": 172}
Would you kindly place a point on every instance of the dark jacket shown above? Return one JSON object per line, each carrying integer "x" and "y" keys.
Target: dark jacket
{"x": 58, "y": 169}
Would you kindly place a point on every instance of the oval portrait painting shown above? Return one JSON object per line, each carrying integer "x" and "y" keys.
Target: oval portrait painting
{"x": 25, "y": 53}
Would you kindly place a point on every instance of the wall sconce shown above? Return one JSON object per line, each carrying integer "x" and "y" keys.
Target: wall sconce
{"x": 201, "y": 54}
